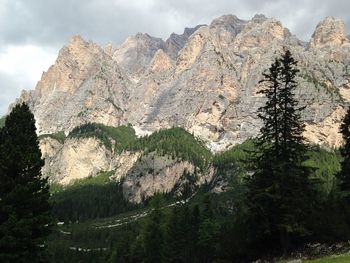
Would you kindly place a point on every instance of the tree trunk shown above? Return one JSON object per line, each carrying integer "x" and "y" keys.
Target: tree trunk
{"x": 285, "y": 242}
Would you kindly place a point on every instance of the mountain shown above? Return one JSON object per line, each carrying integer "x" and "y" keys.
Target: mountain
{"x": 205, "y": 80}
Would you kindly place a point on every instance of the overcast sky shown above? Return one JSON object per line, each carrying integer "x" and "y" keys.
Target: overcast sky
{"x": 32, "y": 31}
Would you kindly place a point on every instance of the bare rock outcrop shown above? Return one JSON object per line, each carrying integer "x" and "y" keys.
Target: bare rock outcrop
{"x": 153, "y": 173}
{"x": 75, "y": 159}
{"x": 84, "y": 85}
{"x": 329, "y": 32}
{"x": 176, "y": 42}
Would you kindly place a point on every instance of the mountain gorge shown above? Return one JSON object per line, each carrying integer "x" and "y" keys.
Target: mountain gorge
{"x": 205, "y": 80}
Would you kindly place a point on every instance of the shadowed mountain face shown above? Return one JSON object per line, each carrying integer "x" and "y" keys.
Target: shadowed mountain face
{"x": 205, "y": 80}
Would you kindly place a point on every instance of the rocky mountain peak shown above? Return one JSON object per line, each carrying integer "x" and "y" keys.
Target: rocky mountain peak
{"x": 76, "y": 40}
{"x": 176, "y": 42}
{"x": 262, "y": 33}
{"x": 329, "y": 32}
{"x": 230, "y": 23}
{"x": 108, "y": 49}
{"x": 135, "y": 54}
{"x": 72, "y": 66}
{"x": 259, "y": 18}
{"x": 204, "y": 80}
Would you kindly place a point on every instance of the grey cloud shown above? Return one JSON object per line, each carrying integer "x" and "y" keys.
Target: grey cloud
{"x": 10, "y": 87}
{"x": 52, "y": 22}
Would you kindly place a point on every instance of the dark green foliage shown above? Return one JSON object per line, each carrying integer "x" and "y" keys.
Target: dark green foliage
{"x": 24, "y": 195}
{"x": 152, "y": 232}
{"x": 344, "y": 174}
{"x": 178, "y": 143}
{"x": 182, "y": 233}
{"x": 238, "y": 154}
{"x": 233, "y": 165}
{"x": 58, "y": 136}
{"x": 120, "y": 138}
{"x": 280, "y": 191}
{"x": 208, "y": 233}
{"x": 334, "y": 210}
{"x": 84, "y": 242}
{"x": 90, "y": 198}
{"x": 324, "y": 166}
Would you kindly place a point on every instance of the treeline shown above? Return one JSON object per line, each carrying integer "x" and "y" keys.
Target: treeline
{"x": 182, "y": 234}
{"x": 175, "y": 142}
{"x": 90, "y": 198}
{"x": 121, "y": 138}
{"x": 178, "y": 143}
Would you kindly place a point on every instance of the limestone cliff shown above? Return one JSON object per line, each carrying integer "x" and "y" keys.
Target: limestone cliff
{"x": 75, "y": 159}
{"x": 205, "y": 80}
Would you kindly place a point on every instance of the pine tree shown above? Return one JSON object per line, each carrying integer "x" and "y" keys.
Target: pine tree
{"x": 152, "y": 232}
{"x": 279, "y": 190}
{"x": 208, "y": 233}
{"x": 344, "y": 174}
{"x": 24, "y": 194}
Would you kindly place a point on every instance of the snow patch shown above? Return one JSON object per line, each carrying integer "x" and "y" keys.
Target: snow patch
{"x": 141, "y": 132}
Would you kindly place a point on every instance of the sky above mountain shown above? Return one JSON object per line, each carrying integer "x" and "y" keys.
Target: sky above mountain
{"x": 32, "y": 32}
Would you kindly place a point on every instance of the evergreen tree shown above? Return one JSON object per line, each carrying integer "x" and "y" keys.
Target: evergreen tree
{"x": 174, "y": 239}
{"x": 152, "y": 233}
{"x": 344, "y": 174}
{"x": 24, "y": 194}
{"x": 208, "y": 233}
{"x": 279, "y": 190}
{"x": 182, "y": 235}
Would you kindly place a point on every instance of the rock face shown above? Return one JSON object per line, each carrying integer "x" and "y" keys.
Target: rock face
{"x": 84, "y": 85}
{"x": 75, "y": 159}
{"x": 153, "y": 173}
{"x": 329, "y": 32}
{"x": 176, "y": 42}
{"x": 205, "y": 80}
{"x": 142, "y": 175}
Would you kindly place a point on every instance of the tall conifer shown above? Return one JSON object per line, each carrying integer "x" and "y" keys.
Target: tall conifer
{"x": 344, "y": 174}
{"x": 279, "y": 190}
{"x": 24, "y": 194}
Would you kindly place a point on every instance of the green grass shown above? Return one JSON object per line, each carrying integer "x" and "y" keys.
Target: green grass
{"x": 344, "y": 258}
{"x": 334, "y": 258}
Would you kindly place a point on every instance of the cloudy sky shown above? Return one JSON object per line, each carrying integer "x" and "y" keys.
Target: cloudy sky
{"x": 32, "y": 31}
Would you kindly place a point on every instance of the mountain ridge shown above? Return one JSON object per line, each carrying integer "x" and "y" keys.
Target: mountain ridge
{"x": 205, "y": 80}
